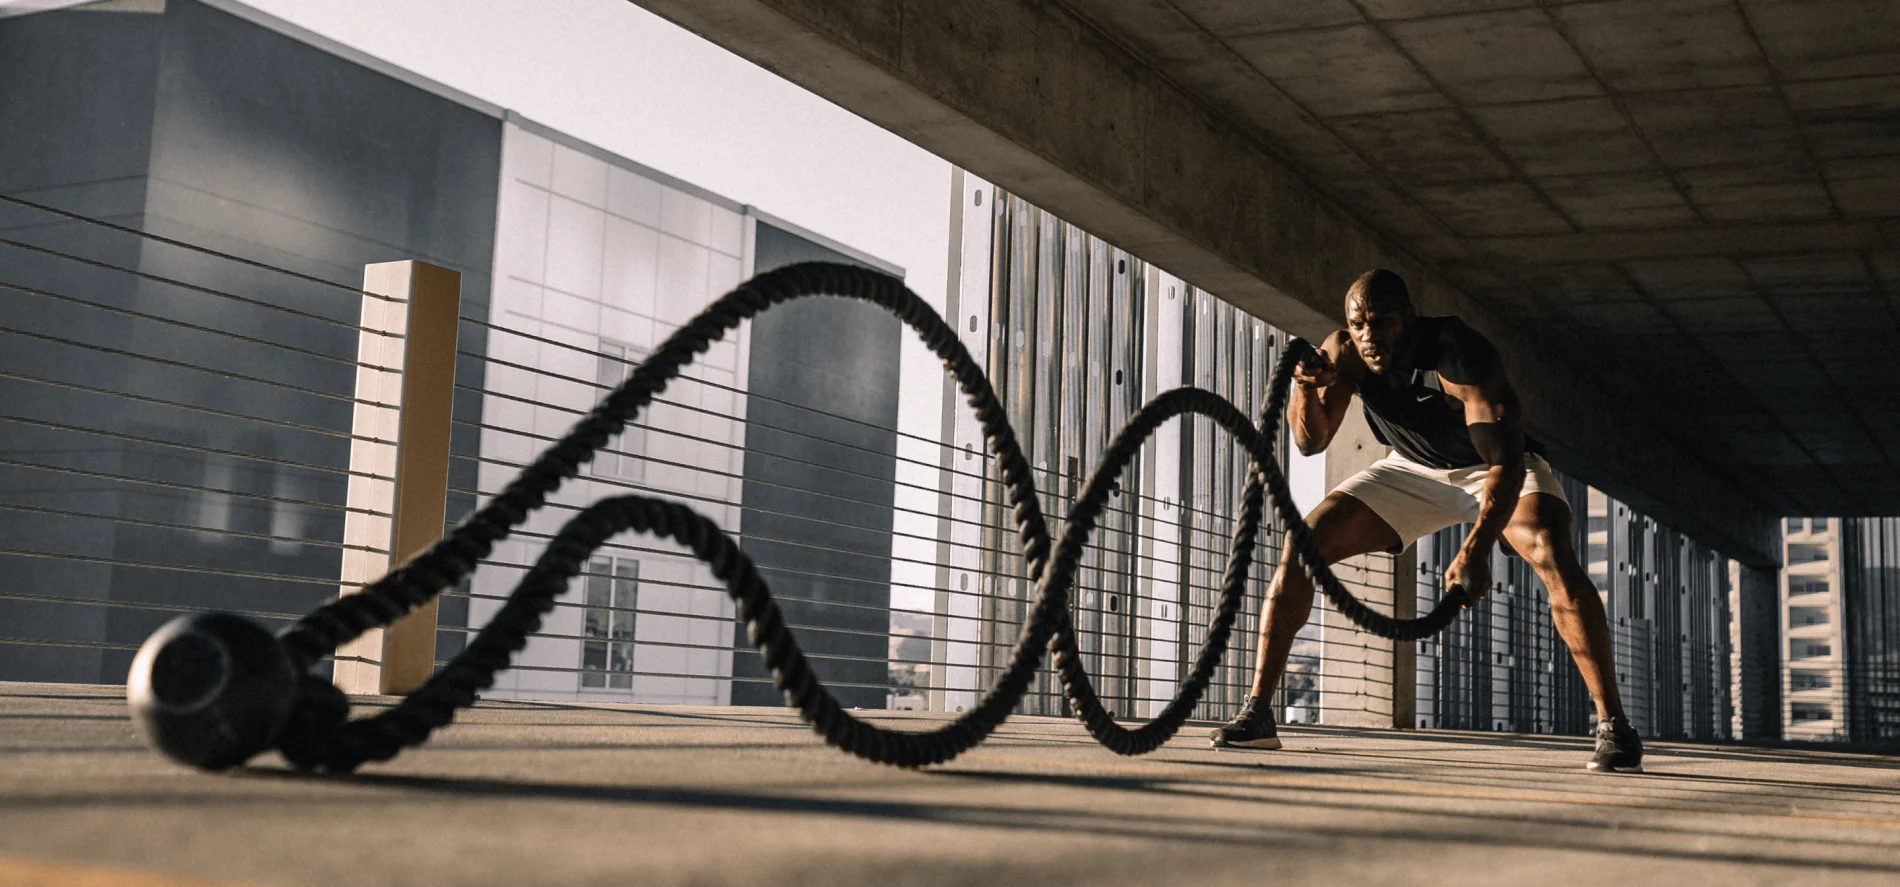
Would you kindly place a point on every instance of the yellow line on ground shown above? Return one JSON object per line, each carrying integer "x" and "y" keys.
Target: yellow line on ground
{"x": 19, "y": 872}
{"x": 1293, "y": 781}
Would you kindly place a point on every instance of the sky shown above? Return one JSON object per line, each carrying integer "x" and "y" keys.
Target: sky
{"x": 614, "y": 75}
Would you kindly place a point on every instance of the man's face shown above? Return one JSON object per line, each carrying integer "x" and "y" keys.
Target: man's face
{"x": 1379, "y": 332}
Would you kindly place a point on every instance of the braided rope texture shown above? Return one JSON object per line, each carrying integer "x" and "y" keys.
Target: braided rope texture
{"x": 320, "y": 736}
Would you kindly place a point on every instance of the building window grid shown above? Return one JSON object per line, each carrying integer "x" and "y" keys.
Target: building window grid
{"x": 1806, "y": 711}
{"x": 611, "y": 591}
{"x": 624, "y": 457}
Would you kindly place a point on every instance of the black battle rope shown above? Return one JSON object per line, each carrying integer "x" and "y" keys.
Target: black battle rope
{"x": 319, "y": 735}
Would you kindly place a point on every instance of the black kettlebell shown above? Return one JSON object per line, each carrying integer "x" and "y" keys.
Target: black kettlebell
{"x": 211, "y": 690}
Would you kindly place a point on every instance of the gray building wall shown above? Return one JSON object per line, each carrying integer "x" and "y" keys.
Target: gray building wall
{"x": 196, "y": 125}
{"x": 75, "y": 106}
{"x": 820, "y": 468}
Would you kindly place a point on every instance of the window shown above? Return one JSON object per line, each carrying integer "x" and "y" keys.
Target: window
{"x": 612, "y": 590}
{"x": 1809, "y": 680}
{"x": 623, "y": 457}
{"x": 1810, "y": 650}
{"x": 1803, "y": 553}
{"x": 1799, "y": 585}
{"x": 1804, "y": 711}
{"x": 1801, "y": 617}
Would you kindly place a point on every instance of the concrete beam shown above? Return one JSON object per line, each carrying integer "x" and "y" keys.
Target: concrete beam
{"x": 1029, "y": 96}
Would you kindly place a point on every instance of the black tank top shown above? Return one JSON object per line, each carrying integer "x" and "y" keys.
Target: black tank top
{"x": 1419, "y": 419}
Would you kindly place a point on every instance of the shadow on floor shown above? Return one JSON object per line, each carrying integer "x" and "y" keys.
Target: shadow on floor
{"x": 1104, "y": 821}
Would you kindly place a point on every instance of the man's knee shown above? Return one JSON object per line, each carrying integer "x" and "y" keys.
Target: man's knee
{"x": 1546, "y": 551}
{"x": 1289, "y": 578}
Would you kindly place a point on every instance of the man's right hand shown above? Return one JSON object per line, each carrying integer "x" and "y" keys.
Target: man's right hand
{"x": 1316, "y": 371}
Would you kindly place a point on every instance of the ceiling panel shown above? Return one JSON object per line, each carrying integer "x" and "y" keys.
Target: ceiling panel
{"x": 1758, "y": 193}
{"x": 1429, "y": 147}
{"x": 1814, "y": 39}
{"x": 1485, "y": 58}
{"x": 1341, "y": 71}
{"x": 1235, "y": 18}
{"x": 1620, "y": 201}
{"x": 1572, "y": 137}
{"x": 1665, "y": 44}
{"x": 1483, "y": 208}
{"x": 1744, "y": 125}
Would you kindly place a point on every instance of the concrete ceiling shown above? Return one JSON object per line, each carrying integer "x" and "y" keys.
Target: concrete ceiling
{"x": 1695, "y": 201}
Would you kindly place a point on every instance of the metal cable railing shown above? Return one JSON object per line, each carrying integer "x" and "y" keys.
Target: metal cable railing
{"x": 313, "y": 716}
{"x": 219, "y": 460}
{"x": 242, "y": 452}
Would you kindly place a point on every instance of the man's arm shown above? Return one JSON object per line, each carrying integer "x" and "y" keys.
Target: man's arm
{"x": 1321, "y": 393}
{"x": 1472, "y": 372}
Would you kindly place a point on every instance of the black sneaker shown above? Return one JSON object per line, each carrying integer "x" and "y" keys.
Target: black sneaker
{"x": 1252, "y": 728}
{"x": 1619, "y": 749}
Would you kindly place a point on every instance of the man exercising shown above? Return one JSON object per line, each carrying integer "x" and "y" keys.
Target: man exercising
{"x": 1435, "y": 391}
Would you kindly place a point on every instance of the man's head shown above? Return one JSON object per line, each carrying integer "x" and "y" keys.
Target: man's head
{"x": 1379, "y": 319}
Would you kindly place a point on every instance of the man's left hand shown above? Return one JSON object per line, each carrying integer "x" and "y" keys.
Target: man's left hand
{"x": 1473, "y": 572}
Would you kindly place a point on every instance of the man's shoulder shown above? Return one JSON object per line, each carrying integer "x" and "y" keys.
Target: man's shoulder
{"x": 1453, "y": 333}
{"x": 1446, "y": 325}
{"x": 1466, "y": 356}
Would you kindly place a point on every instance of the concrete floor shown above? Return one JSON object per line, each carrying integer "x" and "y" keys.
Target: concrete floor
{"x": 521, "y": 793}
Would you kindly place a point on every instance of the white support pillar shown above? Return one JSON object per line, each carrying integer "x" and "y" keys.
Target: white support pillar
{"x": 1366, "y": 680}
{"x": 408, "y": 384}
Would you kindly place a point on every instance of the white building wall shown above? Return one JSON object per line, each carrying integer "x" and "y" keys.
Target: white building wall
{"x": 596, "y": 255}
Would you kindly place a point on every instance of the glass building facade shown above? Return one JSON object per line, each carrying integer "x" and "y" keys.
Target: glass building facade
{"x": 1841, "y": 628}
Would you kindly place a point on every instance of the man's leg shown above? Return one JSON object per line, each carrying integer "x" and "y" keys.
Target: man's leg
{"x": 1539, "y": 532}
{"x": 1343, "y": 527}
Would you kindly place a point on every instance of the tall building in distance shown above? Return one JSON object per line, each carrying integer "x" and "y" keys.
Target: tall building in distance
{"x": 1840, "y": 617}
{"x": 1813, "y": 701}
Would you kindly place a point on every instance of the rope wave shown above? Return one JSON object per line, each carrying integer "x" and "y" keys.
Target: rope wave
{"x": 320, "y": 736}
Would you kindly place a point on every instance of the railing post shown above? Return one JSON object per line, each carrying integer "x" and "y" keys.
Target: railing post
{"x": 410, "y": 385}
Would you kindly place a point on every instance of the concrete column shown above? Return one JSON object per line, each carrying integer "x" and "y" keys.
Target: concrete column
{"x": 1755, "y": 653}
{"x": 406, "y": 352}
{"x": 1366, "y": 680}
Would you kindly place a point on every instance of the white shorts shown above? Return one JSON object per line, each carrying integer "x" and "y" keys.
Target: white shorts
{"x": 1418, "y": 501}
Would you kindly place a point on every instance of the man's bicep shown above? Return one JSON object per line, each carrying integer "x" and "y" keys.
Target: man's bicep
{"x": 1473, "y": 372}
